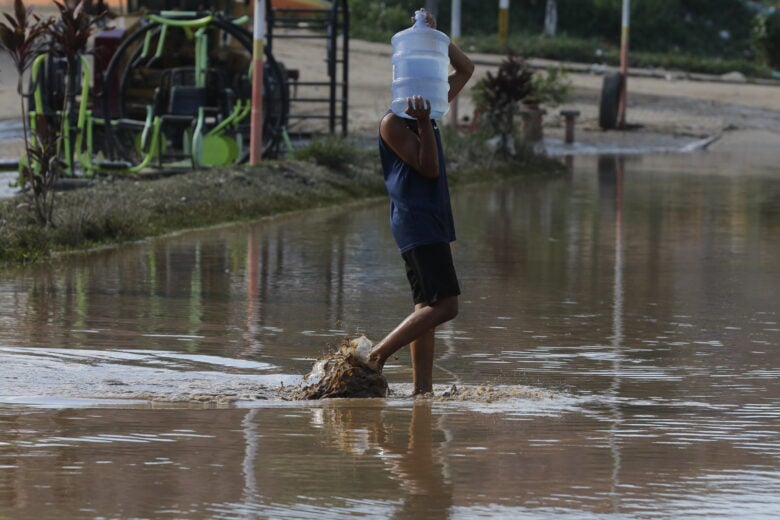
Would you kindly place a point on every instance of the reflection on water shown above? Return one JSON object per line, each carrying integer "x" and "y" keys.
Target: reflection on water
{"x": 637, "y": 296}
{"x": 346, "y": 458}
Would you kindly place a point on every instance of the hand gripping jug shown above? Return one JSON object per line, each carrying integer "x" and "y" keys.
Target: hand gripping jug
{"x": 420, "y": 67}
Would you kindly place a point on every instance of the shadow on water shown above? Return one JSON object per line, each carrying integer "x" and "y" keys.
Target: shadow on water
{"x": 615, "y": 356}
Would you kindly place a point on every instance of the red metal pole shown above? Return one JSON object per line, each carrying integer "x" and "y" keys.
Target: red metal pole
{"x": 624, "y": 63}
{"x": 256, "y": 132}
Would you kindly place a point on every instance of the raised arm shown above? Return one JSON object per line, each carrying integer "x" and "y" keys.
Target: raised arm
{"x": 461, "y": 64}
{"x": 462, "y": 70}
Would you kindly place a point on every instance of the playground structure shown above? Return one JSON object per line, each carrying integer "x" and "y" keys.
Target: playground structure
{"x": 175, "y": 89}
{"x": 331, "y": 26}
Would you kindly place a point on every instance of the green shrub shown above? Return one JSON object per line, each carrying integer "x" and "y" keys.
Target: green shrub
{"x": 331, "y": 152}
{"x": 694, "y": 64}
{"x": 497, "y": 96}
{"x": 534, "y": 46}
{"x": 766, "y": 38}
{"x": 466, "y": 149}
{"x": 709, "y": 36}
{"x": 551, "y": 87}
{"x": 377, "y": 21}
{"x": 591, "y": 51}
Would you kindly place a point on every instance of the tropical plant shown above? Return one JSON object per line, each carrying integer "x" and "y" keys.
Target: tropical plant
{"x": 497, "y": 96}
{"x": 69, "y": 35}
{"x": 503, "y": 90}
{"x": 24, "y": 36}
{"x": 550, "y": 87}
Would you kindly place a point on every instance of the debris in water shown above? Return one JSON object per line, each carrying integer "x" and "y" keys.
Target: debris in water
{"x": 453, "y": 391}
{"x": 341, "y": 373}
{"x": 490, "y": 394}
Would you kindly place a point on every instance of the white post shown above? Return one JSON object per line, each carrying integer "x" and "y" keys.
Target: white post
{"x": 624, "y": 63}
{"x": 455, "y": 36}
{"x": 551, "y": 18}
{"x": 258, "y": 50}
{"x": 455, "y": 33}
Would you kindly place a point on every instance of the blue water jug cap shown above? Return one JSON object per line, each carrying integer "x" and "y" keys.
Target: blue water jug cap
{"x": 420, "y": 25}
{"x": 419, "y": 18}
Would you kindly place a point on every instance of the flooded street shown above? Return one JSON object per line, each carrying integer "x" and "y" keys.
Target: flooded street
{"x": 616, "y": 356}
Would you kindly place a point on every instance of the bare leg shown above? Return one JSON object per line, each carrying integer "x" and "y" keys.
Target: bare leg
{"x": 425, "y": 318}
{"x": 422, "y": 362}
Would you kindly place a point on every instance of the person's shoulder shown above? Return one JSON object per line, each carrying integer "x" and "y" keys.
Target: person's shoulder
{"x": 390, "y": 119}
{"x": 391, "y": 126}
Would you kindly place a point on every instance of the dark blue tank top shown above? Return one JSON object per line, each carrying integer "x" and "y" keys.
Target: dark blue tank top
{"x": 420, "y": 211}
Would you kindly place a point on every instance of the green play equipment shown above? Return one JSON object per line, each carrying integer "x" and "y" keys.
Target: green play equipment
{"x": 176, "y": 94}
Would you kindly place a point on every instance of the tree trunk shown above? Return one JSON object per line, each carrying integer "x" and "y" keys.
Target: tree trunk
{"x": 551, "y": 18}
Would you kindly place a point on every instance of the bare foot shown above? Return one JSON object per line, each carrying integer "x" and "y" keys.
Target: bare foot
{"x": 369, "y": 361}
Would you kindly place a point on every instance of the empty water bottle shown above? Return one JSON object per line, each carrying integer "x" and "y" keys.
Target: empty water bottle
{"x": 420, "y": 67}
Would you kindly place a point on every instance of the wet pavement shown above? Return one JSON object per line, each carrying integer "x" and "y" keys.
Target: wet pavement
{"x": 615, "y": 357}
{"x": 11, "y": 129}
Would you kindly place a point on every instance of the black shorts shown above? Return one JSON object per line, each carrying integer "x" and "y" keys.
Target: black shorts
{"x": 431, "y": 273}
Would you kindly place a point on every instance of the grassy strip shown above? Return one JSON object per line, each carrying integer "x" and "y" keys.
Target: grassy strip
{"x": 592, "y": 51}
{"x": 583, "y": 50}
{"x": 119, "y": 211}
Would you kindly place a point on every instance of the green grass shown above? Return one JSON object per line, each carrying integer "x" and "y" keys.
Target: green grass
{"x": 125, "y": 210}
{"x": 331, "y": 152}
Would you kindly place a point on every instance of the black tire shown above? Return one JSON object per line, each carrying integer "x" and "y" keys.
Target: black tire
{"x": 610, "y": 100}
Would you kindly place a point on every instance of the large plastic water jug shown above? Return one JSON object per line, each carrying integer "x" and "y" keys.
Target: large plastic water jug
{"x": 420, "y": 67}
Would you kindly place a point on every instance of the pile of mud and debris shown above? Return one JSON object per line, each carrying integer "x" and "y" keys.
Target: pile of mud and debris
{"x": 342, "y": 372}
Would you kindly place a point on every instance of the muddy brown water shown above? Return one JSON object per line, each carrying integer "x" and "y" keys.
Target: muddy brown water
{"x": 616, "y": 356}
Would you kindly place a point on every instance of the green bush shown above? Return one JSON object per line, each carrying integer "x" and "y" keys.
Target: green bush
{"x": 710, "y": 36}
{"x": 766, "y": 37}
{"x": 331, "y": 152}
{"x": 377, "y": 21}
{"x": 565, "y": 48}
{"x": 536, "y": 46}
{"x": 551, "y": 87}
{"x": 695, "y": 64}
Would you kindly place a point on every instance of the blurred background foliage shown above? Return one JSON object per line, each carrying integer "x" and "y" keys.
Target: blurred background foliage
{"x": 739, "y": 34}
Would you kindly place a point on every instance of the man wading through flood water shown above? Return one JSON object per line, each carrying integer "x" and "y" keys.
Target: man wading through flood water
{"x": 421, "y": 222}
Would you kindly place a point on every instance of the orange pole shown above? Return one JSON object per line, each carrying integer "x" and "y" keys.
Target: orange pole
{"x": 503, "y": 21}
{"x": 258, "y": 48}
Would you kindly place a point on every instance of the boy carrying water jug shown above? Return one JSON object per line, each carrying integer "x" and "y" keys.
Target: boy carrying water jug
{"x": 421, "y": 222}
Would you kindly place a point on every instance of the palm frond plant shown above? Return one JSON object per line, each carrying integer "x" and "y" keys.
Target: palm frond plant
{"x": 69, "y": 35}
{"x": 23, "y": 35}
{"x": 496, "y": 96}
